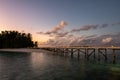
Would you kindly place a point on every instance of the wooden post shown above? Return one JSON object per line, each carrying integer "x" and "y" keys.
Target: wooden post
{"x": 113, "y": 56}
{"x": 98, "y": 54}
{"x": 94, "y": 54}
{"x": 105, "y": 54}
{"x": 54, "y": 50}
{"x": 90, "y": 51}
{"x": 62, "y": 51}
{"x": 85, "y": 52}
{"x": 66, "y": 51}
{"x": 71, "y": 52}
{"x": 78, "y": 53}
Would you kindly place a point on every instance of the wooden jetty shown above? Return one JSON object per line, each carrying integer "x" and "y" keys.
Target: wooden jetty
{"x": 87, "y": 51}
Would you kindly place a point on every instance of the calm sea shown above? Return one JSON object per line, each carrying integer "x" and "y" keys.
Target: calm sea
{"x": 46, "y": 66}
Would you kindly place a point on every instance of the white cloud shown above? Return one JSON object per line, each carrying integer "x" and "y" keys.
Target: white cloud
{"x": 59, "y": 27}
{"x": 57, "y": 30}
{"x": 103, "y": 40}
{"x": 61, "y": 37}
{"x": 107, "y": 40}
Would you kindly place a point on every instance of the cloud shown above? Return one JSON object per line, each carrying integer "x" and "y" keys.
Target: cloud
{"x": 59, "y": 27}
{"x": 93, "y": 40}
{"x": 104, "y": 25}
{"x": 56, "y": 30}
{"x": 107, "y": 40}
{"x": 62, "y": 34}
{"x": 62, "y": 37}
{"x": 91, "y": 36}
{"x": 58, "y": 41}
{"x": 85, "y": 28}
{"x": 88, "y": 27}
{"x": 93, "y": 26}
{"x": 44, "y": 33}
{"x": 114, "y": 24}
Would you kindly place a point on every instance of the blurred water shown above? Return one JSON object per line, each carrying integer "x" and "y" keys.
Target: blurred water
{"x": 45, "y": 66}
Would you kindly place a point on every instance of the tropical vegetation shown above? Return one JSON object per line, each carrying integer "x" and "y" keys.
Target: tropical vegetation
{"x": 15, "y": 39}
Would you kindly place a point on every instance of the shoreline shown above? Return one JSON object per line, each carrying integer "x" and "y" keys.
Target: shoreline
{"x": 28, "y": 50}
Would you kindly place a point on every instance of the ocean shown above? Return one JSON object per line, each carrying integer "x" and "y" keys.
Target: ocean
{"x": 47, "y": 66}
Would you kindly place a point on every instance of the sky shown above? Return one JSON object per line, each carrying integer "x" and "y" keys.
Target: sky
{"x": 64, "y": 22}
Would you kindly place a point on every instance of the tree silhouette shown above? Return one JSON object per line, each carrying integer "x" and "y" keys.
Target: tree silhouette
{"x": 15, "y": 39}
{"x": 36, "y": 44}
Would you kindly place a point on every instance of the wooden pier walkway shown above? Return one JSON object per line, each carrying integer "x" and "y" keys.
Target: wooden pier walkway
{"x": 87, "y": 51}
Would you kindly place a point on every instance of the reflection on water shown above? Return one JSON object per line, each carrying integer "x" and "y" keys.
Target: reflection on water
{"x": 44, "y": 66}
{"x": 37, "y": 60}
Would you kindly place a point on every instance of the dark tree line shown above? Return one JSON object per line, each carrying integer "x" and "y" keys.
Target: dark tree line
{"x": 15, "y": 39}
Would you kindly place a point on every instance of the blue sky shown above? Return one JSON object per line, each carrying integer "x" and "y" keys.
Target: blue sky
{"x": 43, "y": 15}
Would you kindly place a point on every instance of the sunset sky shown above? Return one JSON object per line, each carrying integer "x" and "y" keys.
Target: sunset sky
{"x": 64, "y": 21}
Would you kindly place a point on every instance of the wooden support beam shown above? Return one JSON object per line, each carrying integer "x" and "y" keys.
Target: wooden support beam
{"x": 56, "y": 51}
{"x": 105, "y": 54}
{"x": 53, "y": 50}
{"x": 90, "y": 52}
{"x": 67, "y": 51}
{"x": 78, "y": 53}
{"x": 75, "y": 50}
{"x": 94, "y": 54}
{"x": 83, "y": 50}
{"x": 98, "y": 54}
{"x": 113, "y": 56}
{"x": 103, "y": 51}
{"x": 71, "y": 52}
{"x": 61, "y": 51}
{"x": 87, "y": 51}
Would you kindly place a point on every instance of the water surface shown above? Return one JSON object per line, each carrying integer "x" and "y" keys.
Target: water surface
{"x": 45, "y": 66}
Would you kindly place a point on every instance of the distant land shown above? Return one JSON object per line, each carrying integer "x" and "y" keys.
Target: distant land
{"x": 15, "y": 39}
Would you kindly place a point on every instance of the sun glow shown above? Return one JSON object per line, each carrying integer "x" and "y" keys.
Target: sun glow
{"x": 40, "y": 38}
